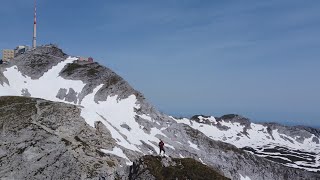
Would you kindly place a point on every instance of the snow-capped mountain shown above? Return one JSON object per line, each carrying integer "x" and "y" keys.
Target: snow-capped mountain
{"x": 113, "y": 123}
{"x": 297, "y": 147}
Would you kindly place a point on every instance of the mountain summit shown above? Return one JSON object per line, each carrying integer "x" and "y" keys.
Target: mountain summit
{"x": 80, "y": 120}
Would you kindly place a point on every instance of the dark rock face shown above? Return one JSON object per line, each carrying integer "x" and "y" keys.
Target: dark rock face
{"x": 156, "y": 167}
{"x": 235, "y": 118}
{"x": 3, "y": 79}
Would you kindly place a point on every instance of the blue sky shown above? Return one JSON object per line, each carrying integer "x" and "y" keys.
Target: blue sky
{"x": 256, "y": 58}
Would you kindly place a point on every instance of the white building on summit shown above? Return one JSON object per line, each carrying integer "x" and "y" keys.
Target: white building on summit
{"x": 7, "y": 54}
{"x": 20, "y": 50}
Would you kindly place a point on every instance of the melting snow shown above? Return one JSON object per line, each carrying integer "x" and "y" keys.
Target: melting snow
{"x": 113, "y": 113}
{"x": 194, "y": 146}
{"x": 143, "y": 116}
{"x": 202, "y": 161}
{"x": 244, "y": 177}
{"x": 118, "y": 152}
{"x": 211, "y": 119}
{"x": 51, "y": 80}
{"x": 257, "y": 136}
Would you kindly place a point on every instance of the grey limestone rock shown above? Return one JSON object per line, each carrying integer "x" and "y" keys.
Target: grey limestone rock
{"x": 48, "y": 140}
{"x": 62, "y": 93}
{"x": 156, "y": 167}
{"x": 25, "y": 92}
{"x": 3, "y": 79}
{"x": 126, "y": 127}
{"x": 71, "y": 96}
{"x": 36, "y": 62}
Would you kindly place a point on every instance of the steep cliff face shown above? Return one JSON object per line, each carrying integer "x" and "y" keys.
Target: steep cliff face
{"x": 105, "y": 126}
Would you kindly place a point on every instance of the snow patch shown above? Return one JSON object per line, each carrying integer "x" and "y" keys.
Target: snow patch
{"x": 113, "y": 113}
{"x": 202, "y": 161}
{"x": 143, "y": 116}
{"x": 194, "y": 146}
{"x": 244, "y": 177}
{"x": 118, "y": 152}
{"x": 51, "y": 80}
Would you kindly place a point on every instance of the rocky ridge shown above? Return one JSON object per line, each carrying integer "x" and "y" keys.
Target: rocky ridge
{"x": 110, "y": 122}
{"x": 295, "y": 146}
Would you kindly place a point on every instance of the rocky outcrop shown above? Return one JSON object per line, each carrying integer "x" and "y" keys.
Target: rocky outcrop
{"x": 36, "y": 62}
{"x": 93, "y": 74}
{"x": 3, "y": 79}
{"x": 156, "y": 167}
{"x": 300, "y": 131}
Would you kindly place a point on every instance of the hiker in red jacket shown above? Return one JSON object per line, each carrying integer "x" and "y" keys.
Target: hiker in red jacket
{"x": 161, "y": 146}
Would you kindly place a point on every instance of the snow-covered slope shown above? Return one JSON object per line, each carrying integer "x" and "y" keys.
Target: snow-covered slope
{"x": 118, "y": 115}
{"x": 136, "y": 126}
{"x": 291, "y": 146}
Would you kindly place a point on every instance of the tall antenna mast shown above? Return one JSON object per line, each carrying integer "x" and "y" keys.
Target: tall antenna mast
{"x": 34, "y": 40}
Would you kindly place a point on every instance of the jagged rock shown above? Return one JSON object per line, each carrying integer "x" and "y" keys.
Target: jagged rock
{"x": 62, "y": 93}
{"x": 25, "y": 92}
{"x": 3, "y": 79}
{"x": 71, "y": 96}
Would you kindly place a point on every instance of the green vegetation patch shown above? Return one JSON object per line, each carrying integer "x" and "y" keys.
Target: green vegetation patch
{"x": 184, "y": 169}
{"x": 111, "y": 163}
{"x": 89, "y": 69}
{"x": 113, "y": 80}
{"x": 9, "y": 100}
{"x": 71, "y": 68}
{"x": 92, "y": 72}
{"x": 20, "y": 105}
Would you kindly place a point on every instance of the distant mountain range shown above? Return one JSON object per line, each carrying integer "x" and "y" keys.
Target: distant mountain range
{"x": 296, "y": 146}
{"x": 80, "y": 120}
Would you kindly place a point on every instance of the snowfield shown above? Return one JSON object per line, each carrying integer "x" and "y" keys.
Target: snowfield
{"x": 261, "y": 141}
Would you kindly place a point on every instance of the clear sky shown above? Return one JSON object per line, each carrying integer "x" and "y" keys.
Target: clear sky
{"x": 260, "y": 59}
